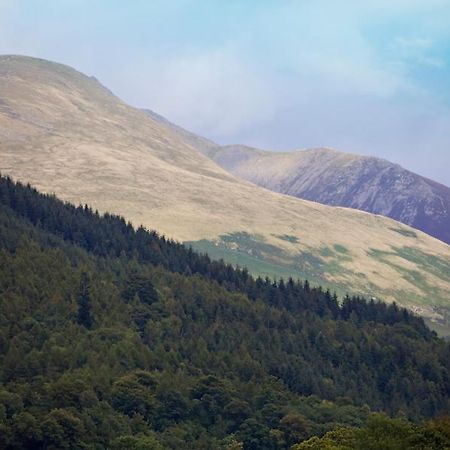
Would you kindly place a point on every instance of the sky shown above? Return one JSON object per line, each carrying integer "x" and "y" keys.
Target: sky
{"x": 368, "y": 77}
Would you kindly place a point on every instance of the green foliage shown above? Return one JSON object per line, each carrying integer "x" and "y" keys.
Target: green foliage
{"x": 133, "y": 394}
{"x": 112, "y": 337}
{"x": 84, "y": 302}
{"x": 138, "y": 284}
{"x": 137, "y": 443}
{"x": 62, "y": 430}
{"x": 339, "y": 439}
{"x": 384, "y": 433}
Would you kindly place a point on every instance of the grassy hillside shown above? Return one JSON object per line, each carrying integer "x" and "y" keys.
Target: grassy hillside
{"x": 337, "y": 178}
{"x": 115, "y": 338}
{"x": 65, "y": 133}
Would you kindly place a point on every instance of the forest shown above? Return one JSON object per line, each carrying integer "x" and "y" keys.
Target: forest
{"x": 113, "y": 337}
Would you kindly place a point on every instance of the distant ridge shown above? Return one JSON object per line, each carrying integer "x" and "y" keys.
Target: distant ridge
{"x": 341, "y": 179}
{"x": 198, "y": 142}
{"x": 336, "y": 178}
{"x": 66, "y": 134}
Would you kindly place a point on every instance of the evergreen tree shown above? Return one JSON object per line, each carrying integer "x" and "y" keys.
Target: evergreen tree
{"x": 192, "y": 353}
{"x": 84, "y": 302}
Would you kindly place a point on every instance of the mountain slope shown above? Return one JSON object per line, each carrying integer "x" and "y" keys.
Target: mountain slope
{"x": 341, "y": 179}
{"x": 117, "y": 339}
{"x": 66, "y": 134}
{"x": 196, "y": 141}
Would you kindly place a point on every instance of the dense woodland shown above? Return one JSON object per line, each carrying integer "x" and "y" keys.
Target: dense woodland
{"x": 117, "y": 338}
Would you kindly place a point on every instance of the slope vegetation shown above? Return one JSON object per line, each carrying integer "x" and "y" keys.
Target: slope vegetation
{"x": 115, "y": 338}
{"x": 66, "y": 134}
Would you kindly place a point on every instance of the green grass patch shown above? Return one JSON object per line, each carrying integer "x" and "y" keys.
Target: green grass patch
{"x": 341, "y": 249}
{"x": 319, "y": 267}
{"x": 404, "y": 232}
{"x": 288, "y": 238}
{"x": 439, "y": 267}
{"x": 429, "y": 263}
{"x": 237, "y": 257}
{"x": 264, "y": 259}
{"x": 326, "y": 252}
{"x": 252, "y": 244}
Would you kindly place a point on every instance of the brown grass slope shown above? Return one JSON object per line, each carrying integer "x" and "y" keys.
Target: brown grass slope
{"x": 341, "y": 179}
{"x": 66, "y": 134}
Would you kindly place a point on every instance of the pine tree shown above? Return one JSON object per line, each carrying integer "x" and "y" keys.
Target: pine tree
{"x": 84, "y": 302}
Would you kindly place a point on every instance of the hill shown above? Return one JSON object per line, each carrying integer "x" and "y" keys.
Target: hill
{"x": 342, "y": 179}
{"x": 116, "y": 338}
{"x": 196, "y": 141}
{"x": 65, "y": 133}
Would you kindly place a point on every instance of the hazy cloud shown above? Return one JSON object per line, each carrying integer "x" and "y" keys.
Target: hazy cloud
{"x": 215, "y": 91}
{"x": 368, "y": 77}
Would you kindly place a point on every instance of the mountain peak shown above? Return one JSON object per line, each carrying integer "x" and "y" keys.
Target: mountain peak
{"x": 338, "y": 178}
{"x": 66, "y": 134}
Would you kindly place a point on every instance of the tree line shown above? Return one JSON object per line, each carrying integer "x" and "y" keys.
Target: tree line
{"x": 116, "y": 337}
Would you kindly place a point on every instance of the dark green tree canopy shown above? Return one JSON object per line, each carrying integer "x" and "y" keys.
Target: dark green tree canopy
{"x": 112, "y": 337}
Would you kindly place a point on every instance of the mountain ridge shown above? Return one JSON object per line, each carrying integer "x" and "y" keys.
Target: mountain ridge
{"x": 338, "y": 178}
{"x": 244, "y": 161}
{"x": 67, "y": 136}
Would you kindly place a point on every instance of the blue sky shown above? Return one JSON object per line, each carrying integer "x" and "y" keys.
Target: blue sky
{"x": 369, "y": 77}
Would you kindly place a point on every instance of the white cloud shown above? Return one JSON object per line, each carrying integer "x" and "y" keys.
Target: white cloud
{"x": 274, "y": 73}
{"x": 216, "y": 92}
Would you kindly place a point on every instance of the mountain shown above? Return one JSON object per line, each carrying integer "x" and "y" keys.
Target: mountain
{"x": 66, "y": 134}
{"x": 113, "y": 338}
{"x": 341, "y": 179}
{"x": 196, "y": 141}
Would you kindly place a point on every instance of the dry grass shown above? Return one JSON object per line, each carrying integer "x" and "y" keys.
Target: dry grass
{"x": 66, "y": 134}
